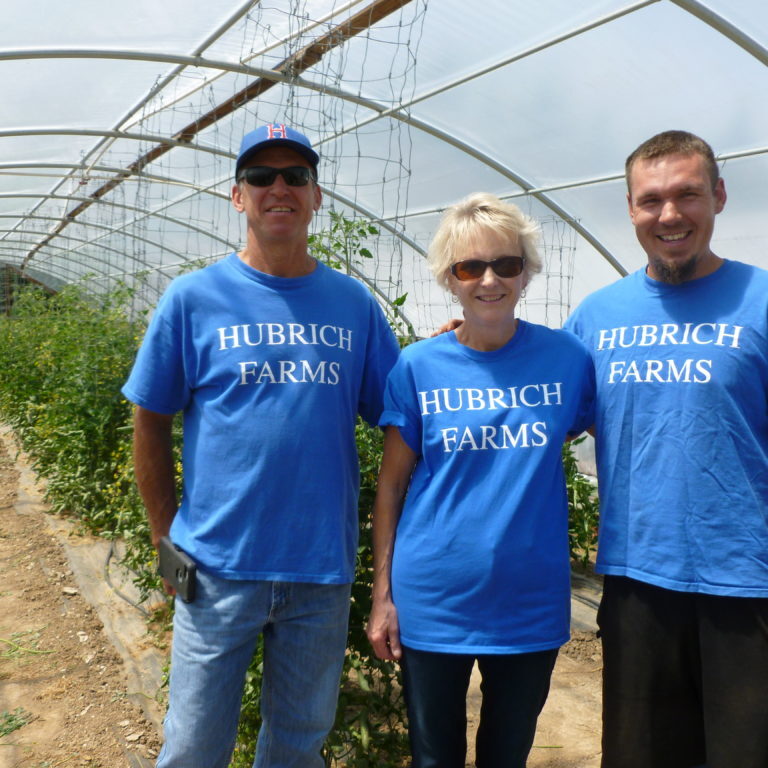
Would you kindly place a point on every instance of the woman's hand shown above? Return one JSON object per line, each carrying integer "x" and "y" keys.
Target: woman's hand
{"x": 383, "y": 630}
{"x": 397, "y": 464}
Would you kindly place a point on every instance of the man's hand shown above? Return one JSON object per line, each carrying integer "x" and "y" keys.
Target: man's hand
{"x": 451, "y": 325}
{"x": 383, "y": 630}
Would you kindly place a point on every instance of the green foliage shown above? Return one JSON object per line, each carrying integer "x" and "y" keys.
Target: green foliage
{"x": 343, "y": 246}
{"x": 12, "y": 721}
{"x": 22, "y": 644}
{"x": 370, "y": 721}
{"x": 63, "y": 359}
{"x": 583, "y": 508}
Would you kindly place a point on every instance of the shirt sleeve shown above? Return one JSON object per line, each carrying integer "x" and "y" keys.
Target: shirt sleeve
{"x": 585, "y": 415}
{"x": 400, "y": 405}
{"x": 585, "y": 412}
{"x": 381, "y": 352}
{"x": 158, "y": 380}
{"x": 572, "y": 325}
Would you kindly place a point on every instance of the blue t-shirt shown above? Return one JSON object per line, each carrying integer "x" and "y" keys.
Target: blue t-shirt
{"x": 682, "y": 429}
{"x": 270, "y": 373}
{"x": 480, "y": 562}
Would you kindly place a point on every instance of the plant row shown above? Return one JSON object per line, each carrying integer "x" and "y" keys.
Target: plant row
{"x": 63, "y": 359}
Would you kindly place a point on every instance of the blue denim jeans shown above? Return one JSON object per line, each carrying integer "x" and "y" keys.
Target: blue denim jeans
{"x": 514, "y": 689}
{"x": 214, "y": 638}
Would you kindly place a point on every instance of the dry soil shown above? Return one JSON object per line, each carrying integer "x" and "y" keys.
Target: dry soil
{"x": 64, "y": 699}
{"x": 80, "y": 677}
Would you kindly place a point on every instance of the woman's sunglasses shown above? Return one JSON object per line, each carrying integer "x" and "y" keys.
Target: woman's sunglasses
{"x": 472, "y": 269}
{"x": 265, "y": 175}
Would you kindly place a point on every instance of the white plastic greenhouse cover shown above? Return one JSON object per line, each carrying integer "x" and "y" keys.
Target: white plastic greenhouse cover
{"x": 120, "y": 122}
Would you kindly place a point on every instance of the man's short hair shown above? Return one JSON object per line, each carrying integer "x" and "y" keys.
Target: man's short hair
{"x": 472, "y": 216}
{"x": 675, "y": 143}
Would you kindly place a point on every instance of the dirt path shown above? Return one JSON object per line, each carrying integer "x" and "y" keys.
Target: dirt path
{"x": 64, "y": 697}
{"x": 78, "y": 676}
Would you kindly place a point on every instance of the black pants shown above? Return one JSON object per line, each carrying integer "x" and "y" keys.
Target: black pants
{"x": 514, "y": 689}
{"x": 685, "y": 678}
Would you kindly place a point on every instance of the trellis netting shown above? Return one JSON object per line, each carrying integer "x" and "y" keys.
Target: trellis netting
{"x": 121, "y": 122}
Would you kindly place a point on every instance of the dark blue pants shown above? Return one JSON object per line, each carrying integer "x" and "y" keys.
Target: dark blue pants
{"x": 514, "y": 689}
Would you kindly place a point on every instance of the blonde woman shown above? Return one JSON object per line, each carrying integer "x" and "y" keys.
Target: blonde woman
{"x": 471, "y": 521}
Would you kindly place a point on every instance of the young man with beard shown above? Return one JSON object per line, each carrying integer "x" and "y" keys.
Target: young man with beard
{"x": 681, "y": 353}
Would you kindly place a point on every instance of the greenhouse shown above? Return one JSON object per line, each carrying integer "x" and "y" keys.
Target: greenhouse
{"x": 121, "y": 127}
{"x": 121, "y": 123}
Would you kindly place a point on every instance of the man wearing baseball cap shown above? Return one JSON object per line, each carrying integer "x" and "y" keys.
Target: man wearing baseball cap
{"x": 270, "y": 355}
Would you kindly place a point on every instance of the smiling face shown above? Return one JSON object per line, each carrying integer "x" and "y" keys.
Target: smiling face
{"x": 489, "y": 301}
{"x": 673, "y": 206}
{"x": 278, "y": 214}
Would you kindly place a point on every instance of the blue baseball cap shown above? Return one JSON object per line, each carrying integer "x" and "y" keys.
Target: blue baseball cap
{"x": 275, "y": 135}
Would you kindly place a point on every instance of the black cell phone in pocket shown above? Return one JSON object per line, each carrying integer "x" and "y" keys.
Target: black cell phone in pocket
{"x": 178, "y": 569}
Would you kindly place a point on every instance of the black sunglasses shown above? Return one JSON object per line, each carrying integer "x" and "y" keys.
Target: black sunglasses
{"x": 472, "y": 269}
{"x": 265, "y": 175}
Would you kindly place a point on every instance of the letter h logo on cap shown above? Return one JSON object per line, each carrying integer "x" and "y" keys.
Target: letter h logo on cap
{"x": 276, "y": 131}
{"x": 273, "y": 134}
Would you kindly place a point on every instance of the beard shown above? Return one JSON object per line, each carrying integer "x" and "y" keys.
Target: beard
{"x": 675, "y": 273}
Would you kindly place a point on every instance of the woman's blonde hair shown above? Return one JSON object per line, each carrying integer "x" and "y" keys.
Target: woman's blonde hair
{"x": 479, "y": 212}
